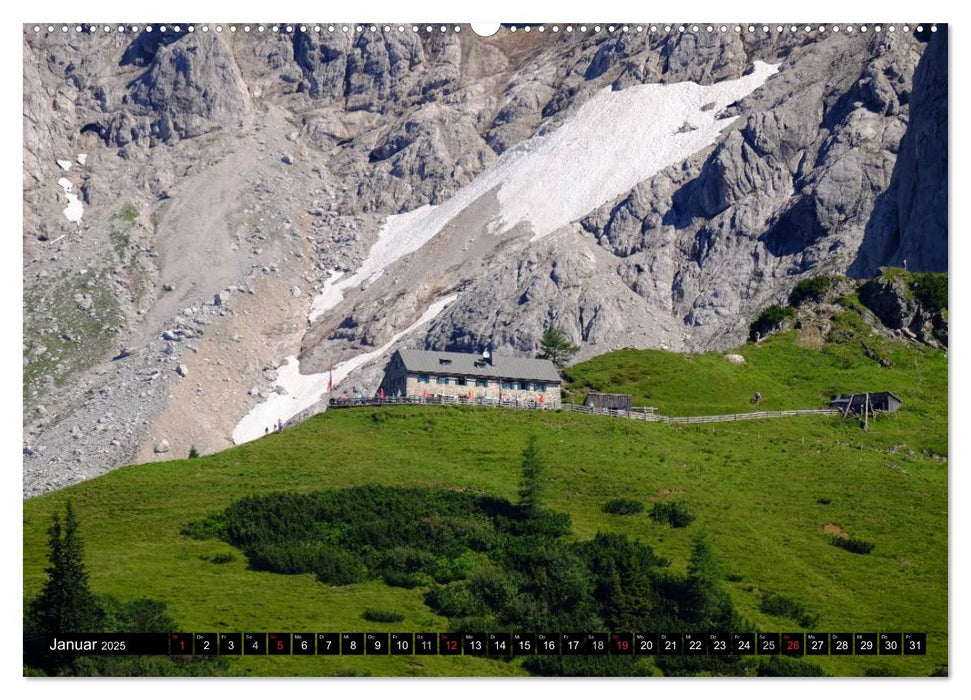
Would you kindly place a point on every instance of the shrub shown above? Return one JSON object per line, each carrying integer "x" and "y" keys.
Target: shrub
{"x": 375, "y": 615}
{"x": 339, "y": 568}
{"x": 209, "y": 528}
{"x": 813, "y": 288}
{"x": 586, "y": 666}
{"x": 405, "y": 560}
{"x": 488, "y": 563}
{"x": 623, "y": 506}
{"x": 128, "y": 213}
{"x": 406, "y": 579}
{"x": 444, "y": 569}
{"x": 852, "y": 544}
{"x": 930, "y": 289}
{"x": 222, "y": 558}
{"x": 193, "y": 452}
{"x": 783, "y": 666}
{"x": 674, "y": 513}
{"x": 784, "y": 606}
{"x": 770, "y": 319}
{"x": 453, "y": 600}
{"x": 544, "y": 523}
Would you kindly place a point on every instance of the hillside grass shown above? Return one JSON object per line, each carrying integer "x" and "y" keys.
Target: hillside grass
{"x": 769, "y": 493}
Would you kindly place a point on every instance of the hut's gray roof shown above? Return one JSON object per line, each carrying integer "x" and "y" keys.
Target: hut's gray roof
{"x": 471, "y": 365}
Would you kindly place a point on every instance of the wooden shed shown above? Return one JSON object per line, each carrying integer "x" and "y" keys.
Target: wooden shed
{"x": 886, "y": 401}
{"x": 615, "y": 402}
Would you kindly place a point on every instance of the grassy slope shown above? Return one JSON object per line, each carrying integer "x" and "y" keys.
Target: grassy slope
{"x": 755, "y": 486}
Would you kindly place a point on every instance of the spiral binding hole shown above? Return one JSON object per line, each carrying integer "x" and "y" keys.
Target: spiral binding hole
{"x": 596, "y": 29}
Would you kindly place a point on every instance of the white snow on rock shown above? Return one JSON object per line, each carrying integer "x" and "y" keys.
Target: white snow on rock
{"x": 615, "y": 140}
{"x": 304, "y": 390}
{"x": 74, "y": 210}
{"x": 82, "y": 157}
{"x": 65, "y": 165}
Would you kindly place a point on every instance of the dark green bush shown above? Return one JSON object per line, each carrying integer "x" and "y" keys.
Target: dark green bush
{"x": 852, "y": 544}
{"x": 930, "y": 289}
{"x": 674, "y": 513}
{"x": 488, "y": 564}
{"x": 339, "y": 568}
{"x": 209, "y": 528}
{"x": 784, "y": 606}
{"x": 623, "y": 506}
{"x": 770, "y": 319}
{"x": 786, "y": 667}
{"x": 586, "y": 666}
{"x": 375, "y": 615}
{"x": 813, "y": 288}
{"x": 406, "y": 579}
{"x": 222, "y": 558}
{"x": 454, "y": 600}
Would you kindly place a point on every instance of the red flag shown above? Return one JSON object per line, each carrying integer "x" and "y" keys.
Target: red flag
{"x": 330, "y": 382}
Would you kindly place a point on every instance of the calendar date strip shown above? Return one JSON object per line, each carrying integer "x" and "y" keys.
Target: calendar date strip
{"x": 499, "y": 644}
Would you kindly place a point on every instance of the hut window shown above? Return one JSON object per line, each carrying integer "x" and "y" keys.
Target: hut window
{"x": 482, "y": 382}
{"x": 441, "y": 380}
{"x": 510, "y": 385}
{"x": 423, "y": 379}
{"x": 462, "y": 381}
{"x": 539, "y": 387}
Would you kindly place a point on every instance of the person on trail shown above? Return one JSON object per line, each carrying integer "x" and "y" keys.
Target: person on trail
{"x": 757, "y": 399}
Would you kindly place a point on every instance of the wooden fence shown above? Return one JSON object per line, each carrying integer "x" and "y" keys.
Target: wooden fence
{"x": 636, "y": 413}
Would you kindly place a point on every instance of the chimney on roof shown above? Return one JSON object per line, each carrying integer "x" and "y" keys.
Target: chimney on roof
{"x": 487, "y": 356}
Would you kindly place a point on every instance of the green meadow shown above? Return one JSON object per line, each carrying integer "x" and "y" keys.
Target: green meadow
{"x": 769, "y": 493}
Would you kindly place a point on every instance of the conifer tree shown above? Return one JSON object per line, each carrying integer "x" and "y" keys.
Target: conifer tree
{"x": 66, "y": 603}
{"x": 555, "y": 346}
{"x": 531, "y": 479}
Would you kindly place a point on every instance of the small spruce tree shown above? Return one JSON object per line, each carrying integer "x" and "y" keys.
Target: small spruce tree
{"x": 66, "y": 603}
{"x": 555, "y": 346}
{"x": 706, "y": 605}
{"x": 531, "y": 478}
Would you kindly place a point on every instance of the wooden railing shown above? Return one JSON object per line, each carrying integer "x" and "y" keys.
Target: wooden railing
{"x": 438, "y": 400}
{"x": 750, "y": 415}
{"x": 637, "y": 413}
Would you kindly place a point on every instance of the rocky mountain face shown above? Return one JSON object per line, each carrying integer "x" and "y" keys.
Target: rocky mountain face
{"x": 199, "y": 206}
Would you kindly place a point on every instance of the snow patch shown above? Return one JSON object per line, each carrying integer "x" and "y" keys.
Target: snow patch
{"x": 400, "y": 235}
{"x": 65, "y": 165}
{"x": 82, "y": 158}
{"x": 304, "y": 390}
{"x": 74, "y": 210}
{"x": 615, "y": 140}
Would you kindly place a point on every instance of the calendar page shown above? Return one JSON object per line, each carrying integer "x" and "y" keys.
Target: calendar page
{"x": 526, "y": 349}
